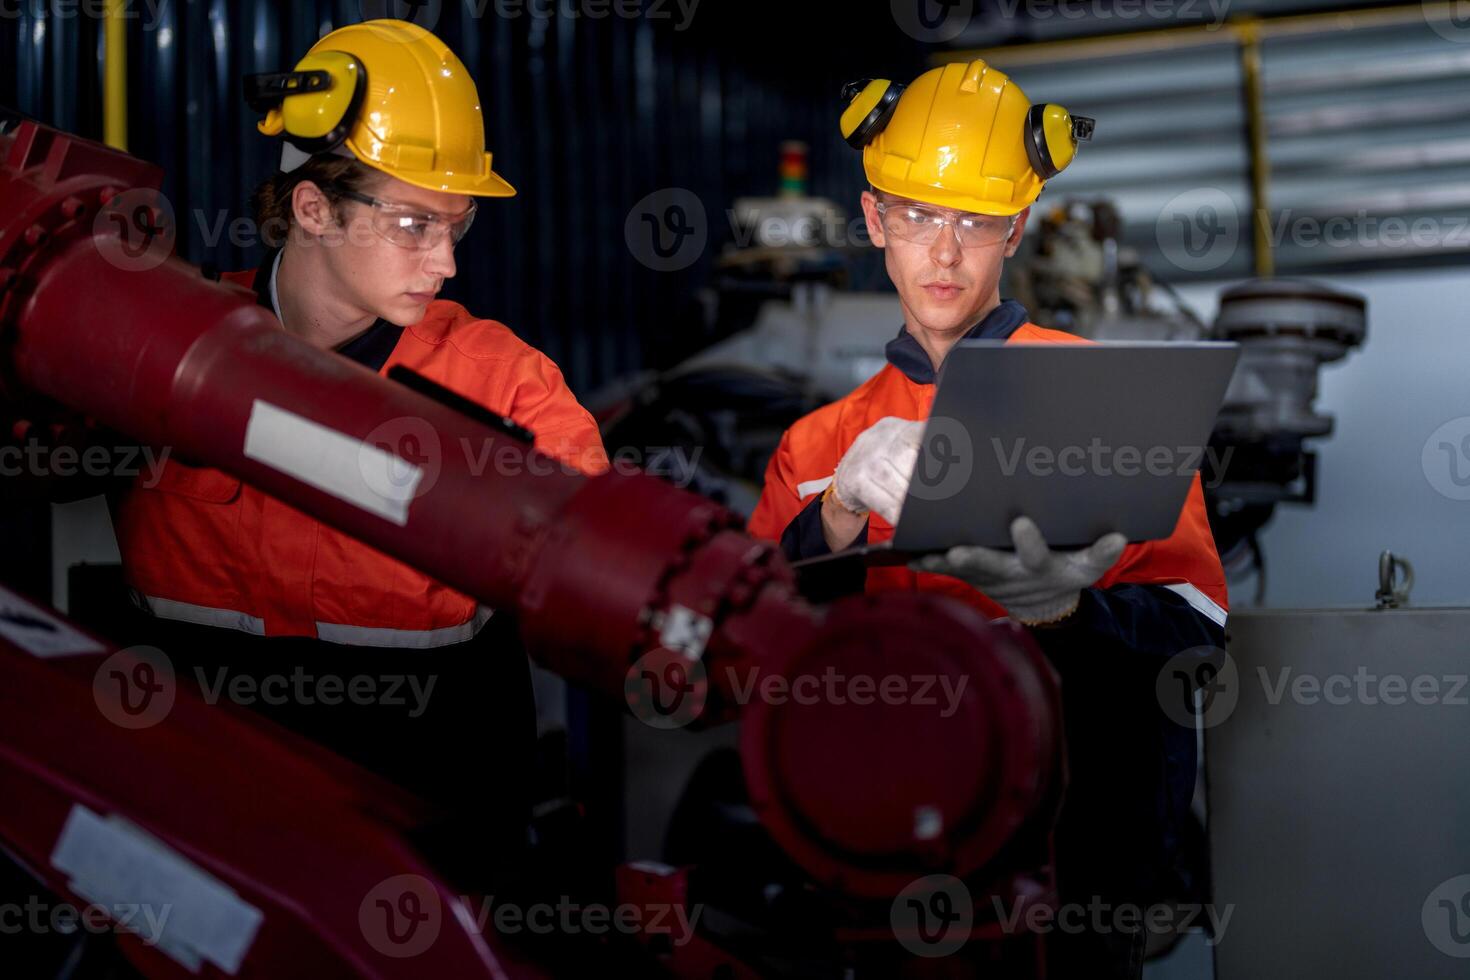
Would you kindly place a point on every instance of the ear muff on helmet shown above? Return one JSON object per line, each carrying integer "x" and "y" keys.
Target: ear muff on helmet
{"x": 1052, "y": 134}
{"x": 314, "y": 105}
{"x": 870, "y": 104}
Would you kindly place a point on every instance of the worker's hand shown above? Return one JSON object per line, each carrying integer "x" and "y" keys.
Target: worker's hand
{"x": 874, "y": 473}
{"x": 1035, "y": 584}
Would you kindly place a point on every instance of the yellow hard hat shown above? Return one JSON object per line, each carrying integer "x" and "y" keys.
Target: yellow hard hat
{"x": 960, "y": 136}
{"x": 395, "y": 96}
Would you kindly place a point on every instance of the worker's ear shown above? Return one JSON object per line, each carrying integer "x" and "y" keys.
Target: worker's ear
{"x": 1014, "y": 241}
{"x": 875, "y": 223}
{"x": 313, "y": 211}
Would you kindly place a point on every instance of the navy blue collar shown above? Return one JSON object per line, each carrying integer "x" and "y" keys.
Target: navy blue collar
{"x": 904, "y": 352}
{"x": 369, "y": 348}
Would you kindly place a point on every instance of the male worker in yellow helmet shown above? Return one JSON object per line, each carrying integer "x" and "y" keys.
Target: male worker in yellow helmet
{"x": 955, "y": 160}
{"x": 385, "y": 157}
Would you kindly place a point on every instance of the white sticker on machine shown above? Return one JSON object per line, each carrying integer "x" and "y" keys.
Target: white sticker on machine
{"x": 39, "y": 632}
{"x": 362, "y": 474}
{"x": 152, "y": 890}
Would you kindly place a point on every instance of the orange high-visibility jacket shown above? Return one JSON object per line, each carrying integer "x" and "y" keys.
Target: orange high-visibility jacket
{"x": 201, "y": 547}
{"x": 1185, "y": 564}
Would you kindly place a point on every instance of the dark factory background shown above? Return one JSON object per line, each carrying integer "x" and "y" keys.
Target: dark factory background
{"x": 622, "y": 131}
{"x": 584, "y": 116}
{"x": 607, "y": 126}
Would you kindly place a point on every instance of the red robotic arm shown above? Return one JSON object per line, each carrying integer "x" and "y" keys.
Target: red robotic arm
{"x": 601, "y": 572}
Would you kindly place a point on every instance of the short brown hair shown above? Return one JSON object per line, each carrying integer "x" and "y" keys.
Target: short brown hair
{"x": 271, "y": 202}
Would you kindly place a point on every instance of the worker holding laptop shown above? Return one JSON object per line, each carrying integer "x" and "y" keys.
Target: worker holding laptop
{"x": 954, "y": 160}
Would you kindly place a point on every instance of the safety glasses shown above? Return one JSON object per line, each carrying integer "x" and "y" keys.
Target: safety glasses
{"x": 406, "y": 227}
{"x": 921, "y": 224}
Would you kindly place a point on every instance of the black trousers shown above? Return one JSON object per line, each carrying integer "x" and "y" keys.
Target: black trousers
{"x": 1117, "y": 838}
{"x": 455, "y": 725}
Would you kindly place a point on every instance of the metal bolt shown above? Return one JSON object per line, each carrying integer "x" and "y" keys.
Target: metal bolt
{"x": 928, "y": 823}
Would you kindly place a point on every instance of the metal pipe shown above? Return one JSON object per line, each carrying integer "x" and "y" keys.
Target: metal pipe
{"x": 1248, "y": 31}
{"x": 115, "y": 76}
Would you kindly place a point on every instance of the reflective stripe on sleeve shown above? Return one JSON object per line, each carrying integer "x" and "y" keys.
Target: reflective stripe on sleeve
{"x": 348, "y": 635}
{"x": 805, "y": 490}
{"x": 377, "y": 636}
{"x": 1201, "y": 603}
{"x": 187, "y": 612}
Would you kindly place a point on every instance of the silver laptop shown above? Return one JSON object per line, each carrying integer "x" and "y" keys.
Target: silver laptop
{"x": 1082, "y": 438}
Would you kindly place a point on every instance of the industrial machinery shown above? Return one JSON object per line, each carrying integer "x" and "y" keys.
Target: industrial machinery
{"x": 1076, "y": 274}
{"x": 282, "y": 860}
{"x": 1287, "y": 330}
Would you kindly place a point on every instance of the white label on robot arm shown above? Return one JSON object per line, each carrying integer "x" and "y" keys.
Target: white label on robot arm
{"x": 38, "y": 632}
{"x": 349, "y": 469}
{"x": 150, "y": 889}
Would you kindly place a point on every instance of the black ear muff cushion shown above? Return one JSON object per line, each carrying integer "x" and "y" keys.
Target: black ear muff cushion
{"x": 1036, "y": 149}
{"x": 873, "y": 123}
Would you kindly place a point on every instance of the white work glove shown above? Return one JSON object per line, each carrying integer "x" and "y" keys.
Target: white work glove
{"x": 874, "y": 472}
{"x": 1035, "y": 584}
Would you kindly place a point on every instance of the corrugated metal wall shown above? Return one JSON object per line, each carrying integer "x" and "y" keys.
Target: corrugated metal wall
{"x": 585, "y": 115}
{"x": 1367, "y": 145}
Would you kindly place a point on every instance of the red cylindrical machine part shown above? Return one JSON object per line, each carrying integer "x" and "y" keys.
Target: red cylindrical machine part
{"x": 490, "y": 516}
{"x": 600, "y": 570}
{"x": 188, "y": 374}
{"x": 154, "y": 350}
{"x": 873, "y": 760}
{"x": 307, "y": 841}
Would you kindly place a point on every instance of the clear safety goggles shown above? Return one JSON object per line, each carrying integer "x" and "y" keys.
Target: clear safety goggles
{"x": 408, "y": 227}
{"x": 921, "y": 224}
